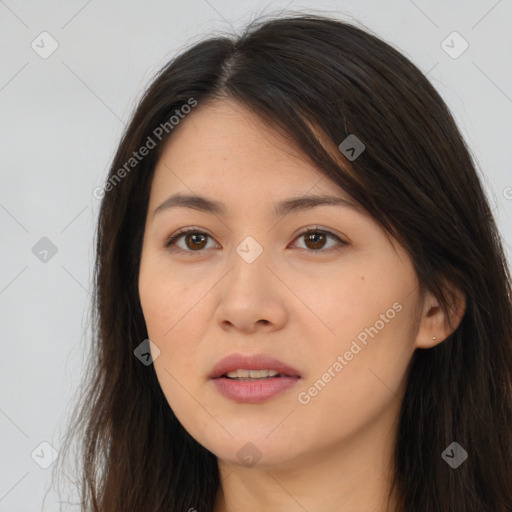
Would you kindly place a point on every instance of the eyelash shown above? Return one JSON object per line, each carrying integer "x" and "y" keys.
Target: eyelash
{"x": 171, "y": 241}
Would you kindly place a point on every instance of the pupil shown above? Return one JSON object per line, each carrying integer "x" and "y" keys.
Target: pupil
{"x": 194, "y": 240}
{"x": 319, "y": 243}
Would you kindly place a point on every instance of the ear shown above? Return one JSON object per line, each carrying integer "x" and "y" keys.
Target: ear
{"x": 436, "y": 324}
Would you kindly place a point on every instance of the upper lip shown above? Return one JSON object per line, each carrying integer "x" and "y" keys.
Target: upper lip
{"x": 251, "y": 362}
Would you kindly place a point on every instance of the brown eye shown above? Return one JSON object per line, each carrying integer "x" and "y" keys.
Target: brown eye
{"x": 316, "y": 239}
{"x": 194, "y": 240}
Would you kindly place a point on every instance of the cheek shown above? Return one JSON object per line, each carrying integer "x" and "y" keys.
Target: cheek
{"x": 175, "y": 315}
{"x": 168, "y": 299}
{"x": 171, "y": 316}
{"x": 360, "y": 362}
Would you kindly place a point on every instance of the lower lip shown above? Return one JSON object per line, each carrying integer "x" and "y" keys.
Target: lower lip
{"x": 253, "y": 391}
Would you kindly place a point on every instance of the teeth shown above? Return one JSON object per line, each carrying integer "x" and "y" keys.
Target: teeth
{"x": 253, "y": 374}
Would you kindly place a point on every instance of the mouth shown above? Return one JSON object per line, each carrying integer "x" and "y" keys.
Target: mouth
{"x": 253, "y": 379}
{"x": 254, "y": 375}
{"x": 252, "y": 367}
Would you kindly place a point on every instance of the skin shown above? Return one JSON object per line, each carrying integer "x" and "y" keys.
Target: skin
{"x": 300, "y": 305}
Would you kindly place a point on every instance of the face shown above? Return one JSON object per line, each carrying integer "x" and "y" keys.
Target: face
{"x": 320, "y": 288}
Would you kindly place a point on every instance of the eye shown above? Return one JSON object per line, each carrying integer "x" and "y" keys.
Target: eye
{"x": 195, "y": 240}
{"x": 315, "y": 239}
{"x": 193, "y": 236}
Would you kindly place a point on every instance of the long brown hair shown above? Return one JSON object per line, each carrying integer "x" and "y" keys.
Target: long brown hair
{"x": 318, "y": 80}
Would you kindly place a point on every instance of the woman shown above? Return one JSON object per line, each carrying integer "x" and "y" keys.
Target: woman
{"x": 302, "y": 301}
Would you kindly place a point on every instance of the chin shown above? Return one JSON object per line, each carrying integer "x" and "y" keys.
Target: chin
{"x": 252, "y": 452}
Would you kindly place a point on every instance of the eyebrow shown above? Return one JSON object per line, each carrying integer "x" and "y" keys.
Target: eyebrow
{"x": 291, "y": 205}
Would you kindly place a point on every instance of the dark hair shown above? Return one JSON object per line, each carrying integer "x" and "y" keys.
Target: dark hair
{"x": 317, "y": 80}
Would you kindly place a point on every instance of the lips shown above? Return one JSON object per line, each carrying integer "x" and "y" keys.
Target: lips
{"x": 251, "y": 362}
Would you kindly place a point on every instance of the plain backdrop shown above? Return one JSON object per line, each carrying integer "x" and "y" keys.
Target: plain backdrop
{"x": 62, "y": 115}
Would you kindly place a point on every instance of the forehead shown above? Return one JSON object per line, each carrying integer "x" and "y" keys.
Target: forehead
{"x": 223, "y": 147}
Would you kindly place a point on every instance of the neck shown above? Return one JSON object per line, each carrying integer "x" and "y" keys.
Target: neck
{"x": 353, "y": 475}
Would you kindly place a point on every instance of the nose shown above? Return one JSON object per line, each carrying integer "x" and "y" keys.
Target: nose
{"x": 251, "y": 297}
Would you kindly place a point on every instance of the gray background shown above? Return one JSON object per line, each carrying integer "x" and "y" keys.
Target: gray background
{"x": 61, "y": 119}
